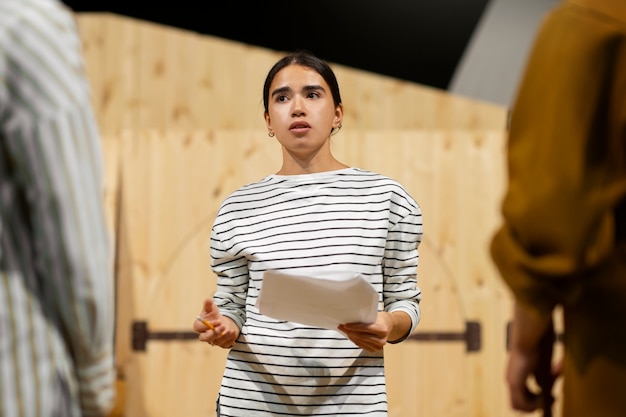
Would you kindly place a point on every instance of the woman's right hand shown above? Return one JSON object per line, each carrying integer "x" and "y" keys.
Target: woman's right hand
{"x": 224, "y": 331}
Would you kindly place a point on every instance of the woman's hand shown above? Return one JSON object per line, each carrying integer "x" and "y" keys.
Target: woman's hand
{"x": 224, "y": 331}
{"x": 373, "y": 336}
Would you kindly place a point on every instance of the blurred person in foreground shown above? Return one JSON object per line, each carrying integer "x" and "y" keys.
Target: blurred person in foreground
{"x": 563, "y": 240}
{"x": 56, "y": 295}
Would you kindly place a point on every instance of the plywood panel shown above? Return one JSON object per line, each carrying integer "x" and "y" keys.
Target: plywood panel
{"x": 111, "y": 48}
{"x": 426, "y": 162}
{"x": 170, "y": 188}
{"x": 147, "y": 76}
{"x": 171, "y": 185}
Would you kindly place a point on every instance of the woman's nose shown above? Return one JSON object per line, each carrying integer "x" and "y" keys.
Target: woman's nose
{"x": 298, "y": 106}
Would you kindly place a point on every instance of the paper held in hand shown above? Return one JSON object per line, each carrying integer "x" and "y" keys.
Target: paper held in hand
{"x": 323, "y": 301}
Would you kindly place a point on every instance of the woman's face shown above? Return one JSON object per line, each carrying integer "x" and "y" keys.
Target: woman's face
{"x": 301, "y": 112}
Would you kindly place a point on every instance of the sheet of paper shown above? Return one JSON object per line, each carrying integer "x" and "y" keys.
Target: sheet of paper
{"x": 323, "y": 301}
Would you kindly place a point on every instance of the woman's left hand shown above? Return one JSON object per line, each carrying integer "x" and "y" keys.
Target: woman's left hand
{"x": 370, "y": 336}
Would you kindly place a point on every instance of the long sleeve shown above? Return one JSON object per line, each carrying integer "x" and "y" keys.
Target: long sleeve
{"x": 400, "y": 289}
{"x": 566, "y": 156}
{"x": 55, "y": 251}
{"x": 232, "y": 280}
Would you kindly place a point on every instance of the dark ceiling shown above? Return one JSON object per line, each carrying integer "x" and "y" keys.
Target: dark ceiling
{"x": 415, "y": 40}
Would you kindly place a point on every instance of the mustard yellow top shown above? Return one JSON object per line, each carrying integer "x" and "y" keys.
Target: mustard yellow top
{"x": 566, "y": 156}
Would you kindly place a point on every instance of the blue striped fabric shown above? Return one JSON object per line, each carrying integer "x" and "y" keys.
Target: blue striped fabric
{"x": 56, "y": 293}
{"x": 349, "y": 220}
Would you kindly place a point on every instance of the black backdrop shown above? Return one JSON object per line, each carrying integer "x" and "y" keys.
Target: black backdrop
{"x": 415, "y": 40}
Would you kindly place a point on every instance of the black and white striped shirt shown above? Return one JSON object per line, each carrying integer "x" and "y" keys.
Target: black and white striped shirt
{"x": 350, "y": 220}
{"x": 56, "y": 293}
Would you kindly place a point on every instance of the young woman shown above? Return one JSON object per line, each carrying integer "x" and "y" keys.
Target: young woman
{"x": 313, "y": 217}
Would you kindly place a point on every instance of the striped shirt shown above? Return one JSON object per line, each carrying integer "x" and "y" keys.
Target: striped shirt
{"x": 348, "y": 220}
{"x": 56, "y": 293}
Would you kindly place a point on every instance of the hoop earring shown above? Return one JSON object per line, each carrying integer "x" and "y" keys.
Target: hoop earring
{"x": 270, "y": 134}
{"x": 335, "y": 130}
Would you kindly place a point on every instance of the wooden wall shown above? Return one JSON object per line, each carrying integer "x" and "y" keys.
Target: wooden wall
{"x": 182, "y": 127}
{"x": 148, "y": 76}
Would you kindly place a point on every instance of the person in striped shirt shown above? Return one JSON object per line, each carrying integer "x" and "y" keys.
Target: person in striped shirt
{"x": 315, "y": 216}
{"x": 56, "y": 293}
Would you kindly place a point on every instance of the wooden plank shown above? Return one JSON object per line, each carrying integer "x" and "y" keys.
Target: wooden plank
{"x": 160, "y": 72}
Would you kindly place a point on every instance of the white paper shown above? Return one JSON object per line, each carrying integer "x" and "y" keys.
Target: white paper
{"x": 323, "y": 301}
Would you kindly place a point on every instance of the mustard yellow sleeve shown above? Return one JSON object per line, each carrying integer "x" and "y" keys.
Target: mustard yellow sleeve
{"x": 566, "y": 155}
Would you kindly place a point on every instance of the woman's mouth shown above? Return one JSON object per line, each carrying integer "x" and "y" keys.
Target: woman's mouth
{"x": 299, "y": 127}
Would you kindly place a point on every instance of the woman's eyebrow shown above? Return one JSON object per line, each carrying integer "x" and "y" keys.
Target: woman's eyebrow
{"x": 280, "y": 90}
{"x": 313, "y": 87}
{"x": 306, "y": 88}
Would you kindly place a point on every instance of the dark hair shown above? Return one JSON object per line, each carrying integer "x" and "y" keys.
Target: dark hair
{"x": 306, "y": 59}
